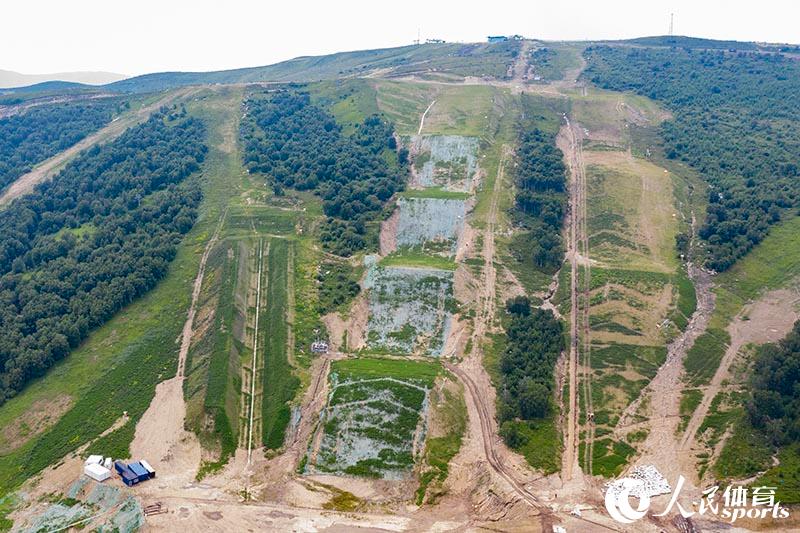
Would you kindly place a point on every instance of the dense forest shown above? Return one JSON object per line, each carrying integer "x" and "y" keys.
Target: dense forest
{"x": 300, "y": 145}
{"x": 534, "y": 342}
{"x": 41, "y": 132}
{"x": 735, "y": 121}
{"x": 775, "y": 404}
{"x": 93, "y": 239}
{"x": 540, "y": 180}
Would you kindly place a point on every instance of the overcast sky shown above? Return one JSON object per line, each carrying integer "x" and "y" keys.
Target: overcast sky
{"x": 135, "y": 37}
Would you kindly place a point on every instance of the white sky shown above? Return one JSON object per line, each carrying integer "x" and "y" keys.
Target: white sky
{"x": 135, "y": 37}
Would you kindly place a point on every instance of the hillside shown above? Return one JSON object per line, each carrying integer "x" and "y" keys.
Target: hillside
{"x": 9, "y": 79}
{"x": 441, "y": 287}
{"x": 459, "y": 60}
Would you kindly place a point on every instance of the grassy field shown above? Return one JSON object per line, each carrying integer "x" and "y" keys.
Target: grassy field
{"x": 434, "y": 192}
{"x": 630, "y": 223}
{"x": 772, "y": 264}
{"x": 461, "y": 110}
{"x": 553, "y": 64}
{"x": 417, "y": 258}
{"x": 280, "y": 384}
{"x": 404, "y": 103}
{"x": 639, "y": 293}
{"x": 213, "y": 381}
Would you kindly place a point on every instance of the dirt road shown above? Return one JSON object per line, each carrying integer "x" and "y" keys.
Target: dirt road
{"x": 422, "y": 118}
{"x": 577, "y": 245}
{"x": 45, "y": 170}
{"x": 488, "y": 437}
{"x": 660, "y": 447}
{"x": 471, "y": 372}
{"x": 767, "y": 320}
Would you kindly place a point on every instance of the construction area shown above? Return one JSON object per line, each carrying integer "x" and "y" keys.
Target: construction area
{"x": 379, "y": 412}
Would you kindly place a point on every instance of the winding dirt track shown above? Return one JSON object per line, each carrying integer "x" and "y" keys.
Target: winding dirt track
{"x": 422, "y": 118}
{"x": 483, "y": 323}
{"x": 488, "y": 437}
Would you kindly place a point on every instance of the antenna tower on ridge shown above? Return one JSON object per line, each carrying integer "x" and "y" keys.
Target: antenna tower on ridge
{"x": 671, "y": 23}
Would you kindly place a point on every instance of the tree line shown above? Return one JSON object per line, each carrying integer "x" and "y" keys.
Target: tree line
{"x": 774, "y": 406}
{"x": 41, "y": 132}
{"x": 540, "y": 180}
{"x": 93, "y": 239}
{"x": 735, "y": 117}
{"x": 534, "y": 341}
{"x": 299, "y": 145}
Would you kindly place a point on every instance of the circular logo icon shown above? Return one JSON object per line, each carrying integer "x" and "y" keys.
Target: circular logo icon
{"x": 619, "y": 506}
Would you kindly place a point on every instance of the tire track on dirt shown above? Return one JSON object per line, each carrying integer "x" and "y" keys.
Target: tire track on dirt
{"x": 578, "y": 247}
{"x": 483, "y": 323}
{"x": 487, "y": 436}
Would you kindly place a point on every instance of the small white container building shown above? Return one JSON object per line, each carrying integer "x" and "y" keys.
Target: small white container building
{"x": 97, "y": 472}
{"x": 149, "y": 468}
{"x": 94, "y": 460}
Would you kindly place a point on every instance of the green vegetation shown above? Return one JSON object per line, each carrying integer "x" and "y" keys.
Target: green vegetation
{"x": 747, "y": 452}
{"x": 222, "y": 383}
{"x": 341, "y": 500}
{"x": 451, "y": 60}
{"x": 687, "y": 300}
{"x": 280, "y": 383}
{"x": 526, "y": 393}
{"x": 372, "y": 416}
{"x": 608, "y": 456}
{"x": 785, "y": 476}
{"x": 300, "y": 145}
{"x": 690, "y": 400}
{"x": 338, "y": 285}
{"x": 733, "y": 122}
{"x": 7, "y": 504}
{"x": 775, "y": 383}
{"x": 772, "y": 264}
{"x": 151, "y": 358}
{"x": 538, "y": 440}
{"x": 703, "y": 359}
{"x": 260, "y": 218}
{"x": 42, "y": 131}
{"x": 138, "y": 221}
{"x": 434, "y": 192}
{"x": 408, "y": 257}
{"x": 442, "y": 442}
{"x": 540, "y": 179}
{"x": 552, "y": 63}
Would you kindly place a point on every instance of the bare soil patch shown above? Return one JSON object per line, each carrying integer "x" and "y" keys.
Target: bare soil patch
{"x": 41, "y": 415}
